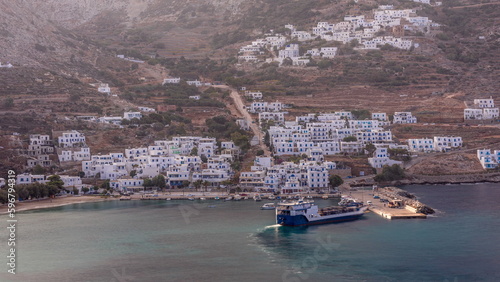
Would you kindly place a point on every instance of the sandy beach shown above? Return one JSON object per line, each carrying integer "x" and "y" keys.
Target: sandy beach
{"x": 69, "y": 200}
{"x": 57, "y": 202}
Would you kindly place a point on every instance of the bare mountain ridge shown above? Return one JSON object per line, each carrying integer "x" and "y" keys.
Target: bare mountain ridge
{"x": 68, "y": 36}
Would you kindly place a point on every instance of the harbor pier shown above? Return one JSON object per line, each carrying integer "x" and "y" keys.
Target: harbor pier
{"x": 388, "y": 203}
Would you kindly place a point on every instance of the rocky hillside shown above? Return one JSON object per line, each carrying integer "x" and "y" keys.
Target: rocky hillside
{"x": 69, "y": 36}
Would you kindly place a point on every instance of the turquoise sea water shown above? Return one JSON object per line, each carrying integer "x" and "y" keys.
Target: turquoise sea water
{"x": 235, "y": 241}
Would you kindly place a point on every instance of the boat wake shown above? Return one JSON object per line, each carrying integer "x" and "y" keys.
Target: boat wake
{"x": 272, "y": 226}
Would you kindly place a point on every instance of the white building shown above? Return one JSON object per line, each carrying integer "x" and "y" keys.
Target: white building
{"x": 277, "y": 117}
{"x": 483, "y": 109}
{"x": 104, "y": 88}
{"x": 290, "y": 51}
{"x": 404, "y": 118}
{"x": 72, "y": 182}
{"x": 73, "y": 154}
{"x": 379, "y": 116}
{"x": 71, "y": 139}
{"x": 255, "y": 95}
{"x": 487, "y": 159}
{"x": 447, "y": 143}
{"x": 473, "y": 114}
{"x": 328, "y": 52}
{"x": 30, "y": 178}
{"x": 172, "y": 80}
{"x": 380, "y": 158}
{"x": 421, "y": 145}
{"x": 196, "y": 83}
{"x": 147, "y": 110}
{"x": 111, "y": 120}
{"x": 131, "y": 115}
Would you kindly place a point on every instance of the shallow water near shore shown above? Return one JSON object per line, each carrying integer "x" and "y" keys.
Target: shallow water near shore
{"x": 236, "y": 241}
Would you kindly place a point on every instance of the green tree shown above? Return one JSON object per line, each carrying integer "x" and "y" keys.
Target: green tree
{"x": 390, "y": 173}
{"x": 85, "y": 190}
{"x": 205, "y": 184}
{"x": 8, "y": 103}
{"x": 194, "y": 151}
{"x": 370, "y": 148}
{"x": 148, "y": 182}
{"x": 197, "y": 184}
{"x": 335, "y": 180}
{"x": 105, "y": 184}
{"x": 38, "y": 169}
{"x": 133, "y": 173}
{"x": 287, "y": 62}
{"x": 159, "y": 181}
{"x": 55, "y": 180}
{"x": 350, "y": 139}
{"x": 75, "y": 191}
{"x": 361, "y": 114}
{"x": 185, "y": 183}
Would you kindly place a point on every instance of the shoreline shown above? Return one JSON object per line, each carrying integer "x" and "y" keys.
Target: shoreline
{"x": 414, "y": 179}
{"x": 53, "y": 203}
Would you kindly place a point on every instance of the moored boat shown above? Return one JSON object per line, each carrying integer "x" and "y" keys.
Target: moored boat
{"x": 257, "y": 198}
{"x": 300, "y": 213}
{"x": 348, "y": 201}
{"x": 268, "y": 206}
{"x": 271, "y": 197}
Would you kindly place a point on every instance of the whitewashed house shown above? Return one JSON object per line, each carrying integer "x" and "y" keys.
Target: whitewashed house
{"x": 277, "y": 117}
{"x": 447, "y": 143}
{"x": 131, "y": 115}
{"x": 404, "y": 118}
{"x": 172, "y": 80}
{"x": 104, "y": 88}
{"x": 421, "y": 145}
{"x": 30, "y": 178}
{"x": 487, "y": 160}
{"x": 379, "y": 116}
{"x": 255, "y": 95}
{"x": 196, "y": 83}
{"x": 70, "y": 139}
{"x": 290, "y": 51}
{"x": 147, "y": 110}
{"x": 380, "y": 158}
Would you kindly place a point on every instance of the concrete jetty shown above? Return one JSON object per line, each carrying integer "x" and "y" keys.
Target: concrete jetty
{"x": 213, "y": 196}
{"x": 380, "y": 205}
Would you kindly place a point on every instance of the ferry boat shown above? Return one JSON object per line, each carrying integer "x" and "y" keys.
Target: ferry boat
{"x": 300, "y": 213}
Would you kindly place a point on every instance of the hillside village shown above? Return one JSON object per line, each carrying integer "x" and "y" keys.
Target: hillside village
{"x": 354, "y": 28}
{"x": 188, "y": 161}
{"x": 306, "y": 147}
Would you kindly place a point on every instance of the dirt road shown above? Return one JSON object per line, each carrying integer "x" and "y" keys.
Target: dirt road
{"x": 245, "y": 115}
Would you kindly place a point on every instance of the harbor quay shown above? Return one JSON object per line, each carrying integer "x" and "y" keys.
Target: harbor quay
{"x": 390, "y": 202}
{"x": 221, "y": 195}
